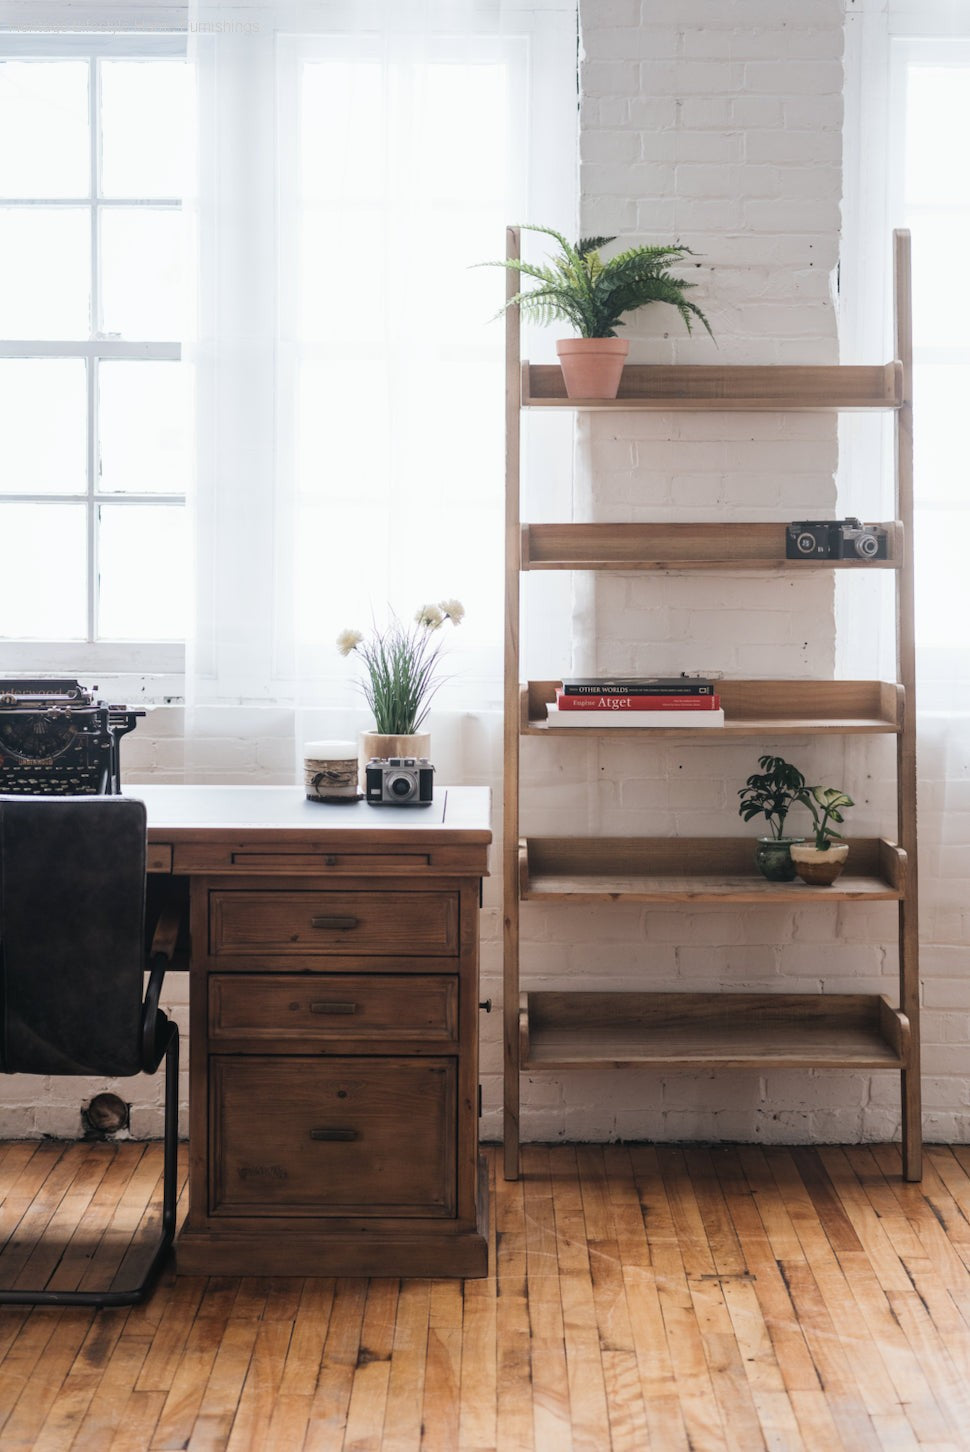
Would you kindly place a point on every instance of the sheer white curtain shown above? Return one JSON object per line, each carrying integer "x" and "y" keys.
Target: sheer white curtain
{"x": 908, "y": 99}
{"x": 355, "y": 162}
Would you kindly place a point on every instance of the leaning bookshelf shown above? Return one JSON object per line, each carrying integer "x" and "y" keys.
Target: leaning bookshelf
{"x": 563, "y": 1030}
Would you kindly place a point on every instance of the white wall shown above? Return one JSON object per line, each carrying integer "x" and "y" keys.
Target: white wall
{"x": 718, "y": 122}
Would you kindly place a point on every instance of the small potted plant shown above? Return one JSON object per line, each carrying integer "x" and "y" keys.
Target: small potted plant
{"x": 821, "y": 862}
{"x": 400, "y": 678}
{"x": 592, "y": 295}
{"x": 771, "y": 793}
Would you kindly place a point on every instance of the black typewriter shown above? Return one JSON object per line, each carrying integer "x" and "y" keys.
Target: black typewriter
{"x": 56, "y": 739}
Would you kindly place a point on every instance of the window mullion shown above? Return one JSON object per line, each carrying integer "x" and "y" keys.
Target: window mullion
{"x": 94, "y": 110}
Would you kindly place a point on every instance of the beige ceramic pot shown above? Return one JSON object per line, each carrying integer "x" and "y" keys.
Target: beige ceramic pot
{"x": 819, "y": 867}
{"x": 375, "y": 743}
{"x": 592, "y": 367}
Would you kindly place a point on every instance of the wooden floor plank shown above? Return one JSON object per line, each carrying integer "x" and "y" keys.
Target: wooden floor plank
{"x": 405, "y": 1383}
{"x": 639, "y": 1299}
{"x": 328, "y": 1410}
{"x": 684, "y": 1337}
{"x": 29, "y": 1254}
{"x": 550, "y": 1377}
{"x": 106, "y": 1411}
{"x": 368, "y": 1392}
{"x": 898, "y": 1227}
{"x": 586, "y": 1373}
{"x": 230, "y": 1367}
{"x": 82, "y": 1383}
{"x": 705, "y": 1290}
{"x": 257, "y": 1397}
{"x": 737, "y": 1279}
{"x": 624, "y": 1400}
{"x": 190, "y": 1373}
{"x": 442, "y": 1379}
{"x": 664, "y": 1417}
{"x": 478, "y": 1394}
{"x": 822, "y": 1304}
{"x": 514, "y": 1393}
{"x": 891, "y": 1307}
{"x": 138, "y": 1421}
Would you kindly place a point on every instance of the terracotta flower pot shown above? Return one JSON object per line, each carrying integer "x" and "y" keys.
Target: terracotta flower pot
{"x": 375, "y": 743}
{"x": 817, "y": 866}
{"x": 592, "y": 367}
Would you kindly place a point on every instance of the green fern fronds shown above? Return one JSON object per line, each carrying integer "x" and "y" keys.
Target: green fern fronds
{"x": 592, "y": 295}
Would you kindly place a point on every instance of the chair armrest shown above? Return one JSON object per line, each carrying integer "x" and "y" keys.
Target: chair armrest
{"x": 160, "y": 957}
{"x": 165, "y": 935}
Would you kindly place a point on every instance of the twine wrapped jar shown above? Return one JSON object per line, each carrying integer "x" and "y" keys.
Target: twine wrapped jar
{"x": 330, "y": 771}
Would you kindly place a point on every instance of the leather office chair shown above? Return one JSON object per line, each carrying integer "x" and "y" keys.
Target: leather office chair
{"x": 72, "y": 963}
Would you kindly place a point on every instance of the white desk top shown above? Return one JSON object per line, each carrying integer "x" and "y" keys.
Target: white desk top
{"x": 457, "y": 813}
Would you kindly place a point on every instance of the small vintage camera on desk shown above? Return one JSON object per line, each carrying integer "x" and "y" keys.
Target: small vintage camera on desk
{"x": 836, "y": 539}
{"x": 398, "y": 781}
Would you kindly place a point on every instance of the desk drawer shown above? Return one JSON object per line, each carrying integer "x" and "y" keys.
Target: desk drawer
{"x": 302, "y": 924}
{"x": 352, "y": 1136}
{"x": 333, "y": 1006}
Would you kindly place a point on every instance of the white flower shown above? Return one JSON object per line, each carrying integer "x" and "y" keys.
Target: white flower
{"x": 348, "y": 640}
{"x": 430, "y": 616}
{"x": 454, "y": 610}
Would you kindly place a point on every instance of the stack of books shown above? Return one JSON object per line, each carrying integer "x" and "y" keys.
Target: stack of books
{"x": 637, "y": 701}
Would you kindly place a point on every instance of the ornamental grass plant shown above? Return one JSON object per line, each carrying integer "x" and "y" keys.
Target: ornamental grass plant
{"x": 400, "y": 666}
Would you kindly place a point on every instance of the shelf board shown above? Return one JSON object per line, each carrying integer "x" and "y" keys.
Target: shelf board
{"x": 560, "y": 1030}
{"x": 674, "y": 547}
{"x": 751, "y": 708}
{"x": 727, "y": 387}
{"x": 695, "y": 870}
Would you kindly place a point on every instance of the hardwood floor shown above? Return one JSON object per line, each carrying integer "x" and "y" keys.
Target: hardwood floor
{"x": 640, "y": 1297}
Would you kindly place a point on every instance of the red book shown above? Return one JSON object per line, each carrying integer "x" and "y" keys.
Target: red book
{"x": 636, "y": 703}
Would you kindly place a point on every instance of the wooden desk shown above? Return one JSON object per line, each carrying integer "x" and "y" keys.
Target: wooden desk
{"x": 333, "y": 1125}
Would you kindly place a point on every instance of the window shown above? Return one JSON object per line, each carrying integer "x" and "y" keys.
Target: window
{"x": 907, "y": 98}
{"x": 931, "y": 90}
{"x": 94, "y": 398}
{"x": 418, "y": 190}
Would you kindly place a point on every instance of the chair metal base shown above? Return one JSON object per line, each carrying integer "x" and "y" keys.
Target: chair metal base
{"x": 137, "y": 1293}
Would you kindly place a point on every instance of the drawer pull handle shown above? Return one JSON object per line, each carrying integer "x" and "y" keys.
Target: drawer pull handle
{"x": 323, "y": 1007}
{"x": 333, "y": 922}
{"x": 333, "y": 1134}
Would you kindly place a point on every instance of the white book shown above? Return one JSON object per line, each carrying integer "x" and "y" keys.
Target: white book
{"x": 596, "y": 719}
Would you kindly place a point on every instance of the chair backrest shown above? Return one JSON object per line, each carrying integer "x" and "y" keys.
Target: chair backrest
{"x": 72, "y": 924}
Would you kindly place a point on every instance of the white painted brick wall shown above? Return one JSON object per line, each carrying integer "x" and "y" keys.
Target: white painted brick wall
{"x": 718, "y": 122}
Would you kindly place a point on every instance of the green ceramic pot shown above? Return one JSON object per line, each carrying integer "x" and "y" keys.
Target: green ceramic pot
{"x": 772, "y": 857}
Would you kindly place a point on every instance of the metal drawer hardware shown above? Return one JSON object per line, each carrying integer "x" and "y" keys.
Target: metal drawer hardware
{"x": 333, "y": 1134}
{"x": 486, "y": 1004}
{"x": 322, "y": 1007}
{"x": 333, "y": 922}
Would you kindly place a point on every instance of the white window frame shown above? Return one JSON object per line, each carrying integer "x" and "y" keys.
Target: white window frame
{"x": 32, "y": 31}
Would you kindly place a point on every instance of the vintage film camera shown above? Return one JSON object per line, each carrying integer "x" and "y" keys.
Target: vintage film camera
{"x": 836, "y": 539}
{"x": 398, "y": 781}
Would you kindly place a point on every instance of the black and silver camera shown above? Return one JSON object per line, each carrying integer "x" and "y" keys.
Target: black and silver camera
{"x": 398, "y": 781}
{"x": 836, "y": 539}
{"x": 853, "y": 540}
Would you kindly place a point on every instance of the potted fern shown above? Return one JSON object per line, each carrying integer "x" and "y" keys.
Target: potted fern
{"x": 821, "y": 862}
{"x": 592, "y": 295}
